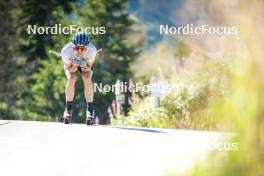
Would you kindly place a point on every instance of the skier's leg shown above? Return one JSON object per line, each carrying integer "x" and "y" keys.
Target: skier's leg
{"x": 69, "y": 93}
{"x": 88, "y": 86}
{"x": 87, "y": 81}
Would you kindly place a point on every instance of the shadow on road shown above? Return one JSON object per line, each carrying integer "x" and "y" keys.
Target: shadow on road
{"x": 137, "y": 129}
{"x": 4, "y": 123}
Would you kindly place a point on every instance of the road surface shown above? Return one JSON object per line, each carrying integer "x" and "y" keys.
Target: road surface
{"x": 55, "y": 149}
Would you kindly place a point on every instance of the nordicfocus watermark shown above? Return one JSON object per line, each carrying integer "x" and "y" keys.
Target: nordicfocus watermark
{"x": 224, "y": 146}
{"x": 58, "y": 29}
{"x": 137, "y": 87}
{"x": 191, "y": 29}
{"x": 217, "y": 146}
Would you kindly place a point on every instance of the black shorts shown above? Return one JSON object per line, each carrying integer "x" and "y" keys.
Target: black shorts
{"x": 80, "y": 69}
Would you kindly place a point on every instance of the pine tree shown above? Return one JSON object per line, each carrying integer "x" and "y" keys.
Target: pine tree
{"x": 24, "y": 55}
{"x": 35, "y": 81}
{"x": 12, "y": 82}
{"x": 47, "y": 83}
{"x": 118, "y": 51}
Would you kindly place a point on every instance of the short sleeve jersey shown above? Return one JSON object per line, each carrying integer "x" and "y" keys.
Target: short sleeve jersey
{"x": 67, "y": 52}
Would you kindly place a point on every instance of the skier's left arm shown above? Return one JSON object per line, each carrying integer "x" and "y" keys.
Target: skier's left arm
{"x": 91, "y": 59}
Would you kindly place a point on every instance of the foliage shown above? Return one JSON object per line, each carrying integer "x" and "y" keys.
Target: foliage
{"x": 244, "y": 106}
{"x": 192, "y": 88}
{"x": 183, "y": 107}
{"x": 145, "y": 114}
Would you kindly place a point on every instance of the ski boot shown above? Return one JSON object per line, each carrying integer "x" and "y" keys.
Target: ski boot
{"x": 67, "y": 116}
{"x": 90, "y": 119}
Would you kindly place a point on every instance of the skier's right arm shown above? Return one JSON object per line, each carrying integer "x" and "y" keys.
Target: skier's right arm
{"x": 65, "y": 56}
{"x": 70, "y": 67}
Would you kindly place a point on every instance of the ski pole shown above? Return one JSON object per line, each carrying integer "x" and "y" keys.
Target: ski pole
{"x": 55, "y": 53}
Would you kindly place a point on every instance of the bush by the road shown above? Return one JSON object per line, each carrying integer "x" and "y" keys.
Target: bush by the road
{"x": 185, "y": 106}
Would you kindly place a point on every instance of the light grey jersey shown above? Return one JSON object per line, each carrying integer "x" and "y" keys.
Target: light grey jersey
{"x": 67, "y": 53}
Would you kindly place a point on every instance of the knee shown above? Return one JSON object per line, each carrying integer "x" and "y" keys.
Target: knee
{"x": 86, "y": 76}
{"x": 72, "y": 77}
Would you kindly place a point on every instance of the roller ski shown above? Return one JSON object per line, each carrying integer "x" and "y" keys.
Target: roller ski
{"x": 67, "y": 116}
{"x": 90, "y": 118}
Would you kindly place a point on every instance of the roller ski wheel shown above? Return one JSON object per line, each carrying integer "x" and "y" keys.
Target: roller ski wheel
{"x": 67, "y": 117}
{"x": 66, "y": 120}
{"x": 89, "y": 121}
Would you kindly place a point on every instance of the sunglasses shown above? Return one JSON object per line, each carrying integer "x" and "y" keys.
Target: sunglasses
{"x": 79, "y": 48}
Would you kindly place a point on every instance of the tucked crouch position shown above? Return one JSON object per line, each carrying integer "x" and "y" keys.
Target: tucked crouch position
{"x": 79, "y": 56}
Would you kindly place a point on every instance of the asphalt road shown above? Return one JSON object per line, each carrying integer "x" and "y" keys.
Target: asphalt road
{"x": 55, "y": 149}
